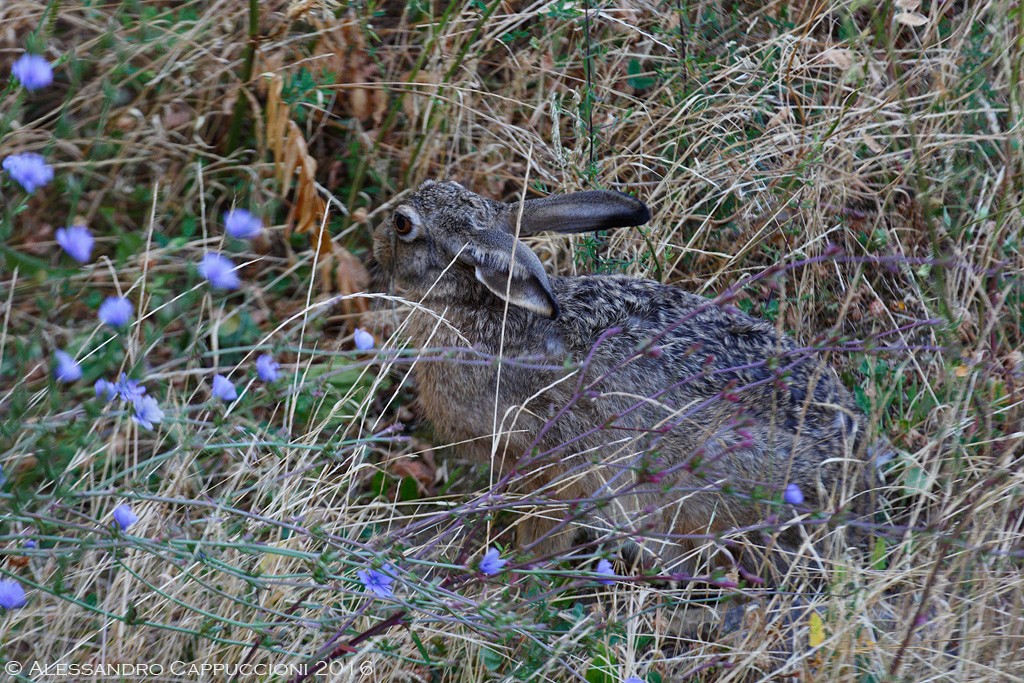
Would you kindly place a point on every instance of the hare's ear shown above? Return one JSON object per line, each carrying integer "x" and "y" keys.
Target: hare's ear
{"x": 578, "y": 212}
{"x": 490, "y": 253}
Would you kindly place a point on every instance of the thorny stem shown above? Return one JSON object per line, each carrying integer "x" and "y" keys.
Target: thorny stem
{"x": 249, "y": 58}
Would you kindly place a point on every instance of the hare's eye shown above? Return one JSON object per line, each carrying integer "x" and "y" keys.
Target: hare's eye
{"x": 403, "y": 226}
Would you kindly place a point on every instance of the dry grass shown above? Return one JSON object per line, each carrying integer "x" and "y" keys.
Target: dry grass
{"x": 759, "y": 134}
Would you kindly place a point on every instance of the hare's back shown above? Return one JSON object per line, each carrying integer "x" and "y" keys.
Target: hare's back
{"x": 703, "y": 349}
{"x": 690, "y": 331}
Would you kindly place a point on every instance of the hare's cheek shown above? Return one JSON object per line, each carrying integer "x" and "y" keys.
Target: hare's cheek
{"x": 418, "y": 266}
{"x": 403, "y": 266}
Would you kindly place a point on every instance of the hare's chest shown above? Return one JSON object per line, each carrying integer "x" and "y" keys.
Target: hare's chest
{"x": 473, "y": 404}
{"x": 458, "y": 399}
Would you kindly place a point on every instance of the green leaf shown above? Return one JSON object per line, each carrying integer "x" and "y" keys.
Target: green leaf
{"x": 817, "y": 630}
{"x": 878, "y": 560}
{"x": 129, "y": 245}
{"x": 408, "y": 490}
{"x": 30, "y": 265}
{"x": 635, "y": 80}
{"x": 420, "y": 647}
{"x": 189, "y": 226}
{"x": 916, "y": 481}
{"x": 131, "y": 615}
{"x": 492, "y": 659}
{"x": 379, "y": 484}
{"x": 603, "y": 667}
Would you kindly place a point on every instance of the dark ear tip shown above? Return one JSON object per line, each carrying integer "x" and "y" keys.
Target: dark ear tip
{"x": 640, "y": 212}
{"x": 643, "y": 214}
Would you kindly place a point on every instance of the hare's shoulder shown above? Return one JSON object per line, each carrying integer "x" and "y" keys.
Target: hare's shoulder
{"x": 609, "y": 298}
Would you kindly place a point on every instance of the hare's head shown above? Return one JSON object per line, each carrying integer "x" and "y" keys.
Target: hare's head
{"x": 444, "y": 240}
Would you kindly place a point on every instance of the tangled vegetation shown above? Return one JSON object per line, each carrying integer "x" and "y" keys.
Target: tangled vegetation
{"x": 210, "y": 446}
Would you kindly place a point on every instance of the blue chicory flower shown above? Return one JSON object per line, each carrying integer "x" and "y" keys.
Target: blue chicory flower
{"x": 29, "y": 169}
{"x": 31, "y": 544}
{"x": 68, "y": 369}
{"x": 378, "y": 582}
{"x": 32, "y": 71}
{"x": 793, "y": 495}
{"x": 267, "y": 368}
{"x": 492, "y": 563}
{"x": 129, "y": 389}
{"x": 224, "y": 389}
{"x": 12, "y": 595}
{"x": 146, "y": 412}
{"x": 220, "y": 271}
{"x": 242, "y": 224}
{"x": 364, "y": 340}
{"x": 77, "y": 241}
{"x": 604, "y": 568}
{"x": 633, "y": 679}
{"x": 116, "y": 311}
{"x": 124, "y": 516}
{"x": 105, "y": 389}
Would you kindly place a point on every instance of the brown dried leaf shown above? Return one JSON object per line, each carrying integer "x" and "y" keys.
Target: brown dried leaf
{"x": 417, "y": 469}
{"x": 301, "y": 9}
{"x": 872, "y": 143}
{"x": 417, "y": 96}
{"x": 841, "y": 57}
{"x": 781, "y": 117}
{"x": 295, "y": 172}
{"x": 16, "y": 561}
{"x": 276, "y": 114}
{"x": 911, "y": 19}
{"x": 343, "y": 50}
{"x": 350, "y": 277}
{"x": 176, "y": 114}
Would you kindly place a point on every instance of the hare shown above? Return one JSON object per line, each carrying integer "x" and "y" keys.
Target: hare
{"x": 640, "y": 409}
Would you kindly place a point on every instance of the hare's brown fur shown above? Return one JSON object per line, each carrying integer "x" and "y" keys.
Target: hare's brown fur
{"x": 689, "y": 417}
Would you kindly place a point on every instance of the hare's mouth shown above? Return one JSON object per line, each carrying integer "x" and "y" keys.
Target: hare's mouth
{"x": 382, "y": 259}
{"x": 382, "y": 275}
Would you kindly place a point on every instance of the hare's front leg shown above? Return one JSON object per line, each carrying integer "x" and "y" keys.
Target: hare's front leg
{"x": 553, "y": 512}
{"x": 570, "y": 510}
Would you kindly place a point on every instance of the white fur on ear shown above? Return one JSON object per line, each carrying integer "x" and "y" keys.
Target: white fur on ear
{"x": 521, "y": 292}
{"x": 523, "y": 283}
